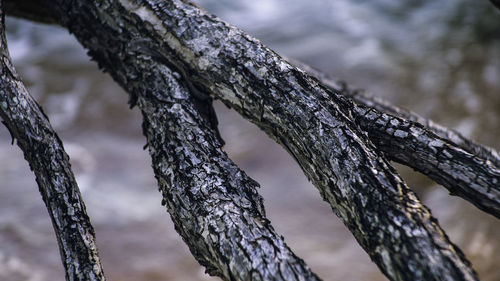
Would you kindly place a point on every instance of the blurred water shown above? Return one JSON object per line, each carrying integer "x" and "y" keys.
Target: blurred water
{"x": 439, "y": 58}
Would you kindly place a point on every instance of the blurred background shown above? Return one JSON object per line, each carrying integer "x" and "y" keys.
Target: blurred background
{"x": 438, "y": 58}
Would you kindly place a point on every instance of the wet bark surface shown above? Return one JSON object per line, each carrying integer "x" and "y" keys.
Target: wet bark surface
{"x": 153, "y": 49}
{"x": 42, "y": 148}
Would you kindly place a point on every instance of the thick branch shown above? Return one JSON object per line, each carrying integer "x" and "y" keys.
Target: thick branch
{"x": 465, "y": 168}
{"x": 367, "y": 99}
{"x": 313, "y": 123}
{"x": 214, "y": 205}
{"x": 44, "y": 151}
{"x": 472, "y": 172}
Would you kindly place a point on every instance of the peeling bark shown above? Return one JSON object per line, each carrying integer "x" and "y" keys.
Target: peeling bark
{"x": 315, "y": 124}
{"x": 43, "y": 150}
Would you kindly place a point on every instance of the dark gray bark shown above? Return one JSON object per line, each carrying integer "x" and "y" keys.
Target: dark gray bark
{"x": 140, "y": 42}
{"x": 312, "y": 122}
{"x": 367, "y": 99}
{"x": 44, "y": 151}
{"x": 465, "y": 168}
{"x": 214, "y": 205}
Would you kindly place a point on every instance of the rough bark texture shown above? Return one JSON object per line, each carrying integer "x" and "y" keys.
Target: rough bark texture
{"x": 44, "y": 151}
{"x": 464, "y": 174}
{"x": 214, "y": 205}
{"x": 312, "y": 122}
{"x": 362, "y": 97}
{"x": 473, "y": 172}
{"x": 465, "y": 168}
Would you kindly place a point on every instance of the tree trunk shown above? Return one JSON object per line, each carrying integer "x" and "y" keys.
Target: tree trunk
{"x": 173, "y": 58}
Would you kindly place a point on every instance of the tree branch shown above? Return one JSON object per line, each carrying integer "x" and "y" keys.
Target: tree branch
{"x": 313, "y": 123}
{"x": 468, "y": 169}
{"x": 43, "y": 150}
{"x": 367, "y": 99}
{"x": 465, "y": 168}
{"x": 214, "y": 205}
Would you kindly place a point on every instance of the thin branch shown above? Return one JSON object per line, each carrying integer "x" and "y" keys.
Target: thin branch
{"x": 43, "y": 150}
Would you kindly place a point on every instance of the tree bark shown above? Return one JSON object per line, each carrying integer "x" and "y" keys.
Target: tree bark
{"x": 44, "y": 151}
{"x": 312, "y": 122}
{"x": 214, "y": 205}
{"x": 465, "y": 168}
{"x": 367, "y": 99}
{"x": 154, "y": 48}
